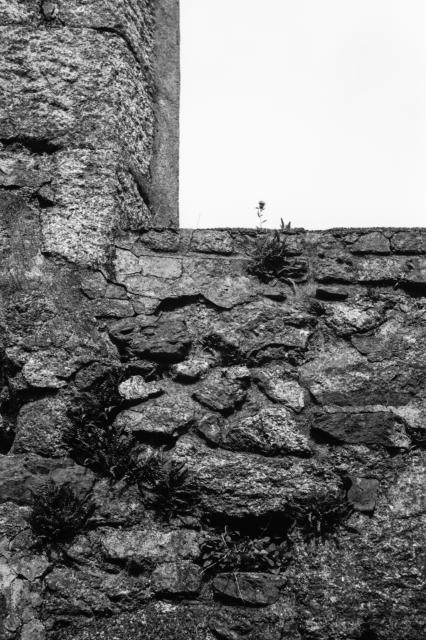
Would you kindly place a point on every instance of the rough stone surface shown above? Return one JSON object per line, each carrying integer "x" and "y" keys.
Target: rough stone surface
{"x": 292, "y": 413}
{"x": 370, "y": 428}
{"x": 275, "y": 384}
{"x": 55, "y": 114}
{"x": 141, "y": 546}
{"x": 169, "y": 415}
{"x": 270, "y": 432}
{"x": 249, "y": 589}
{"x": 220, "y": 393}
{"x": 135, "y": 388}
{"x": 297, "y": 416}
{"x": 177, "y": 579}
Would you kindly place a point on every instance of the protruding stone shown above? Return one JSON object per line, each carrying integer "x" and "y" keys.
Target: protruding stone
{"x": 40, "y": 427}
{"x": 364, "y": 427}
{"x": 234, "y": 484}
{"x": 191, "y": 370}
{"x": 270, "y": 432}
{"x": 167, "y": 416}
{"x": 135, "y": 388}
{"x": 162, "y": 341}
{"x": 249, "y": 589}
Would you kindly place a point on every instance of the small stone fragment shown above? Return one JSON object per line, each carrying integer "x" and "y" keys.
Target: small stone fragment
{"x": 163, "y": 341}
{"x": 135, "y": 388}
{"x": 190, "y": 370}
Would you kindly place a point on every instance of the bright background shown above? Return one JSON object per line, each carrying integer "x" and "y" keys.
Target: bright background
{"x": 317, "y": 107}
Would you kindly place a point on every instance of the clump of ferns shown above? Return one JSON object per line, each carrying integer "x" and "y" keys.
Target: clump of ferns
{"x": 95, "y": 440}
{"x": 166, "y": 486}
{"x": 270, "y": 260}
{"x": 323, "y": 519}
{"x": 103, "y": 447}
{"x": 59, "y": 511}
{"x": 232, "y": 551}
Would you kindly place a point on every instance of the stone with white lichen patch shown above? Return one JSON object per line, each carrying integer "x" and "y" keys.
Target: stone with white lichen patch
{"x": 135, "y": 388}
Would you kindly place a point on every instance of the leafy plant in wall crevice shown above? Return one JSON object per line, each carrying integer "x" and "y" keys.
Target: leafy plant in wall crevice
{"x": 60, "y": 511}
{"x": 166, "y": 485}
{"x": 232, "y": 550}
{"x": 272, "y": 260}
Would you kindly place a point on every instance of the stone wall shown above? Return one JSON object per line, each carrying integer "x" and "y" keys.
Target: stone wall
{"x": 188, "y": 450}
{"x": 291, "y": 412}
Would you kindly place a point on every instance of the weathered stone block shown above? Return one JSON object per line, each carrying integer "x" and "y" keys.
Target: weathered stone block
{"x": 370, "y": 428}
{"x": 177, "y": 579}
{"x": 147, "y": 547}
{"x": 410, "y": 241}
{"x": 374, "y": 242}
{"x": 270, "y": 432}
{"x": 249, "y": 589}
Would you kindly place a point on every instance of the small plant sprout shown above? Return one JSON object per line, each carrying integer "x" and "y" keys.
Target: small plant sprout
{"x": 260, "y": 213}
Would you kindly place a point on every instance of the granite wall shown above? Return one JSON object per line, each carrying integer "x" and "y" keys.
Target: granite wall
{"x": 296, "y": 408}
{"x": 188, "y": 451}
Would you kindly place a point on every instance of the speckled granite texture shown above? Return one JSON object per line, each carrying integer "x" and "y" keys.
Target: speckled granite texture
{"x": 289, "y": 499}
{"x": 94, "y": 144}
{"x": 280, "y": 398}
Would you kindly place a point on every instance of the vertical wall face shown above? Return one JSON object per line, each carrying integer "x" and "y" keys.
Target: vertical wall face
{"x": 89, "y": 118}
{"x": 252, "y": 447}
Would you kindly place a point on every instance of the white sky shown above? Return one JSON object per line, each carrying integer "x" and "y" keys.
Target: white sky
{"x": 317, "y": 107}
